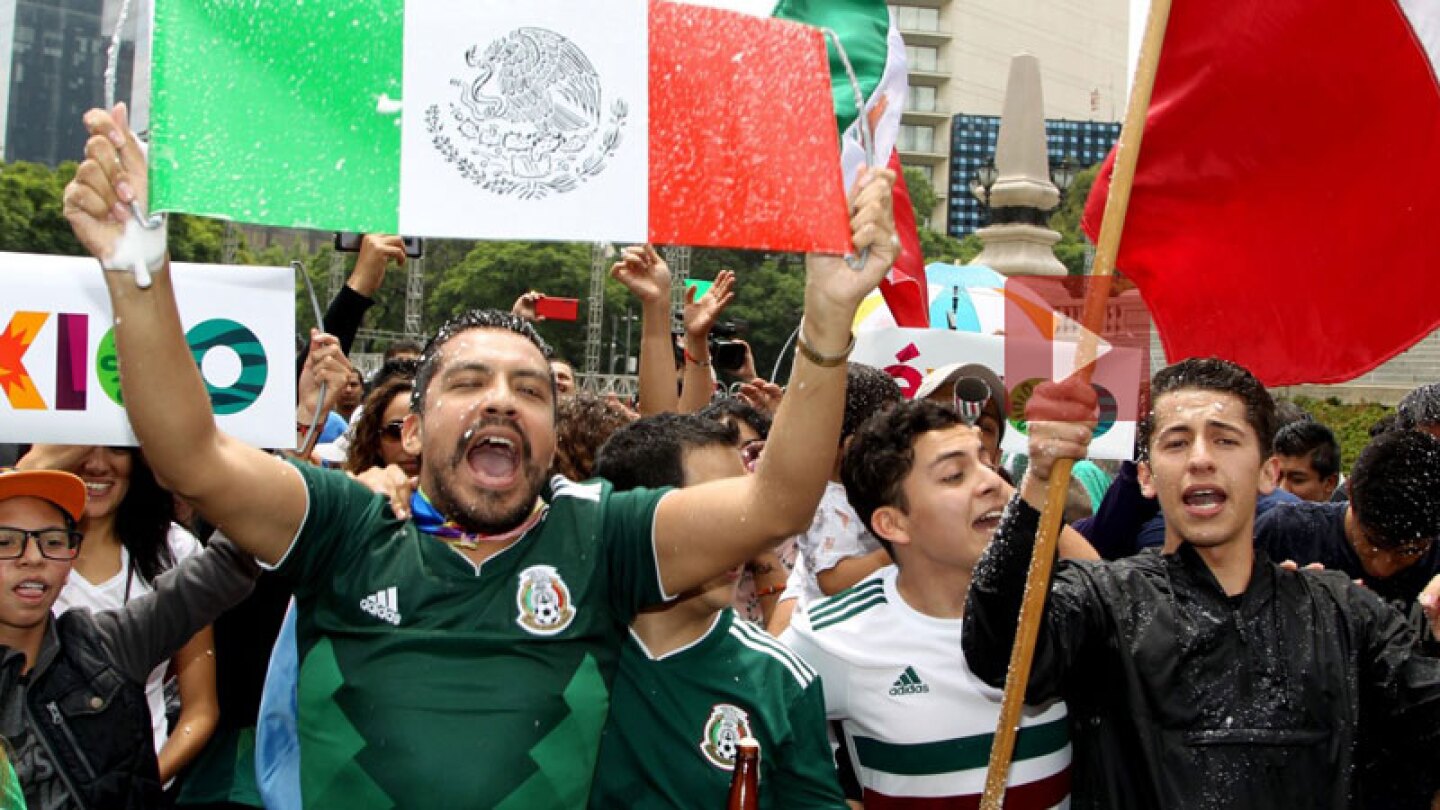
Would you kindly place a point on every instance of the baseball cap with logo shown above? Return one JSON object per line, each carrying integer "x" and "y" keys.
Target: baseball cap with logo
{"x": 63, "y": 489}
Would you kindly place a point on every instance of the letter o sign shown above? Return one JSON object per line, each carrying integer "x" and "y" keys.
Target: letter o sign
{"x": 222, "y": 333}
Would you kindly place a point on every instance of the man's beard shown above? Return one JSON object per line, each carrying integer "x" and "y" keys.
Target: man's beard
{"x": 488, "y": 516}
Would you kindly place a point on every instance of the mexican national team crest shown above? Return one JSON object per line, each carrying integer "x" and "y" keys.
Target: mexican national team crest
{"x": 544, "y": 601}
{"x": 727, "y": 726}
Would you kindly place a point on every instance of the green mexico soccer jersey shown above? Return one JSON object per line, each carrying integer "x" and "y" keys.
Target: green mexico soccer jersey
{"x": 428, "y": 682}
{"x": 670, "y": 741}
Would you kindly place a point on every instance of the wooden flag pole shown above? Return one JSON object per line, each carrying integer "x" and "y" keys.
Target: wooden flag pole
{"x": 1037, "y": 581}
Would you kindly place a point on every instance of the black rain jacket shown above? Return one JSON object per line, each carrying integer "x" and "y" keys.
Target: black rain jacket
{"x": 1182, "y": 697}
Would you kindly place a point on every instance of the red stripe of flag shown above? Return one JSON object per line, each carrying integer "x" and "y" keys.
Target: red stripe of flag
{"x": 1038, "y": 795}
{"x": 905, "y": 289}
{"x": 732, "y": 164}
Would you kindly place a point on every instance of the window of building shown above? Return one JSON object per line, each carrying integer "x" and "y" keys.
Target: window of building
{"x": 919, "y": 57}
{"x": 909, "y": 18}
{"x": 921, "y": 99}
{"x": 916, "y": 138}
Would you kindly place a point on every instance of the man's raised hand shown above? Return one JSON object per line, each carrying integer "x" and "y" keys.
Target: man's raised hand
{"x": 644, "y": 274}
{"x": 524, "y": 306}
{"x": 702, "y": 313}
{"x": 833, "y": 291}
{"x": 1061, "y": 418}
{"x": 97, "y": 201}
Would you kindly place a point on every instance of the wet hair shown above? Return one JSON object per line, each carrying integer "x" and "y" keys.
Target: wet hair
{"x": 143, "y": 518}
{"x": 1393, "y": 488}
{"x": 741, "y": 411}
{"x": 882, "y": 454}
{"x": 650, "y": 452}
{"x": 403, "y": 367}
{"x": 868, "y": 390}
{"x": 1212, "y": 374}
{"x": 366, "y": 436}
{"x": 1419, "y": 408}
{"x": 473, "y": 319}
{"x": 1288, "y": 413}
{"x": 400, "y": 347}
{"x": 1312, "y": 439}
{"x": 582, "y": 424}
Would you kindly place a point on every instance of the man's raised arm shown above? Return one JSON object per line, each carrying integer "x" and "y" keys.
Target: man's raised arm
{"x": 702, "y": 531}
{"x": 259, "y": 501}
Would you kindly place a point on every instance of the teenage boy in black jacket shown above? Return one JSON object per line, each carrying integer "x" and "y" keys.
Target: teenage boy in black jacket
{"x": 1205, "y": 676}
{"x": 72, "y": 689}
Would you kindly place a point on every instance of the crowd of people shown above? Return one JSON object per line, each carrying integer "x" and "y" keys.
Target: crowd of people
{"x": 471, "y": 584}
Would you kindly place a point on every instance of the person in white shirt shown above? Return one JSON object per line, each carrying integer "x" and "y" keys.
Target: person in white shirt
{"x": 916, "y": 723}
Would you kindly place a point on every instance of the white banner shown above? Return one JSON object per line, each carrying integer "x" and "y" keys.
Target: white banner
{"x": 59, "y": 377}
{"x": 530, "y": 117}
{"x": 909, "y": 354}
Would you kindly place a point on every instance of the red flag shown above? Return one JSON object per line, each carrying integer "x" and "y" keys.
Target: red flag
{"x": 743, "y": 146}
{"x": 904, "y": 288}
{"x": 1288, "y": 186}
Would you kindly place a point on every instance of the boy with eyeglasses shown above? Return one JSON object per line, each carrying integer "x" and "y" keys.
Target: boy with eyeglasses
{"x": 72, "y": 689}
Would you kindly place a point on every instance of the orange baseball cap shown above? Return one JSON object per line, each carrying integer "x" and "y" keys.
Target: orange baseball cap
{"x": 63, "y": 489}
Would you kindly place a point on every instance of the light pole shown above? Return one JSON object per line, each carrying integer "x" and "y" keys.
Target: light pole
{"x": 629, "y": 319}
{"x": 614, "y": 329}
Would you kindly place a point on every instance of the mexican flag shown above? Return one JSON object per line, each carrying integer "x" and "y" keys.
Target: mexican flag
{"x": 603, "y": 120}
{"x": 872, "y": 43}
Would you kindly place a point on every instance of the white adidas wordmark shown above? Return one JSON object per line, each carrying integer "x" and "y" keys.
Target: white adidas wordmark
{"x": 383, "y": 605}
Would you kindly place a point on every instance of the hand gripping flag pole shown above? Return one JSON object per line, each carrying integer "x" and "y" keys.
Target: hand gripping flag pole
{"x": 1037, "y": 581}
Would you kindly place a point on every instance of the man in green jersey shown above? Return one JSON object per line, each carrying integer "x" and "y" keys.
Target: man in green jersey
{"x": 694, "y": 679}
{"x": 462, "y": 660}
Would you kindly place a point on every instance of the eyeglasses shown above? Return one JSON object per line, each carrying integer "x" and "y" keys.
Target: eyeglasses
{"x": 391, "y": 430}
{"x": 54, "y": 544}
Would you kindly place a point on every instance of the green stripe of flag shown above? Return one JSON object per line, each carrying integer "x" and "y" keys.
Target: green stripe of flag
{"x": 863, "y": 26}
{"x": 247, "y": 97}
{"x": 959, "y": 754}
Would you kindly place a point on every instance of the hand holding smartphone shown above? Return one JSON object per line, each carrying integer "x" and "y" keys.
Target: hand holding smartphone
{"x": 348, "y": 242}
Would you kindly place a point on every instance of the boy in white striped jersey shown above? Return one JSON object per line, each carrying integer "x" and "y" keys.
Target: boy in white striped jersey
{"x": 917, "y": 724}
{"x": 694, "y": 679}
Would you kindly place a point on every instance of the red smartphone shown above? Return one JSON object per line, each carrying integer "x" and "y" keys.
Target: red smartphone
{"x": 558, "y": 309}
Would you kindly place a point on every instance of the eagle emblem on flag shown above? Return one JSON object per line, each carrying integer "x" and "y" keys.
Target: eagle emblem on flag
{"x": 530, "y": 119}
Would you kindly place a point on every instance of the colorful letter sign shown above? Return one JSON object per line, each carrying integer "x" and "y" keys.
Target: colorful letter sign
{"x": 60, "y": 374}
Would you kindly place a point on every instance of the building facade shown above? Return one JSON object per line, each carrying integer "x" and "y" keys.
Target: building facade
{"x": 972, "y": 144}
{"x": 959, "y": 53}
{"x": 52, "y": 69}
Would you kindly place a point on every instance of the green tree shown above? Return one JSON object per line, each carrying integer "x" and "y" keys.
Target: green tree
{"x": 494, "y": 274}
{"x": 935, "y": 246}
{"x": 32, "y": 218}
{"x": 1074, "y": 247}
{"x": 195, "y": 239}
{"x": 922, "y": 195}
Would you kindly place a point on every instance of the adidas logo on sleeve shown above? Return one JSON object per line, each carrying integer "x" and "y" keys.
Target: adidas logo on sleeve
{"x": 908, "y": 684}
{"x": 383, "y": 605}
